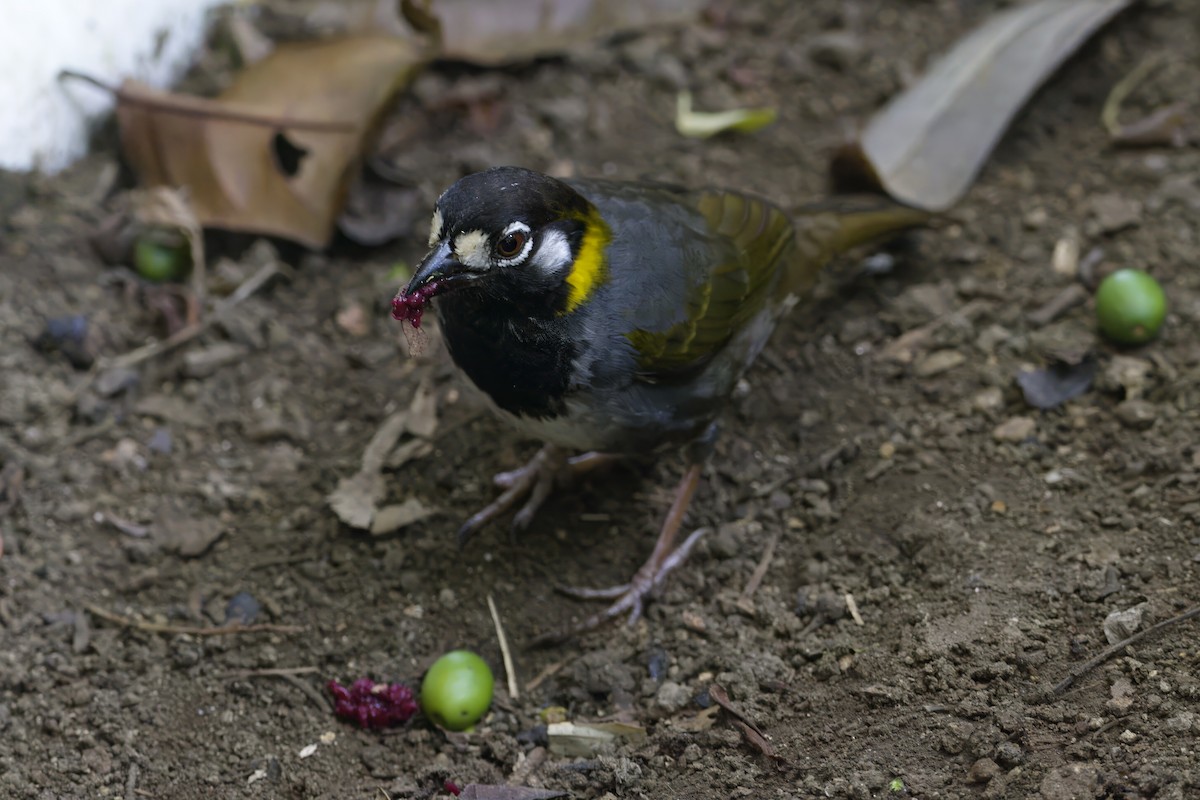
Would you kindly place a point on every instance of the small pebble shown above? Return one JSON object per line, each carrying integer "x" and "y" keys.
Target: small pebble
{"x": 1014, "y": 429}
{"x": 1137, "y": 415}
{"x": 983, "y": 771}
{"x": 938, "y": 362}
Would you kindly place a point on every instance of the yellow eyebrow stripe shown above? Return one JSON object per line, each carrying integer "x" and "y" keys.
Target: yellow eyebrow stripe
{"x": 591, "y": 264}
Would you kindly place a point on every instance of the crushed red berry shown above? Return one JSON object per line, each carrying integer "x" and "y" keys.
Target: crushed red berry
{"x": 371, "y": 705}
{"x": 406, "y": 306}
{"x": 451, "y": 787}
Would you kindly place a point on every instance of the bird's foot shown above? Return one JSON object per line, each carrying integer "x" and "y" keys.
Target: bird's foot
{"x": 631, "y": 597}
{"x": 536, "y": 481}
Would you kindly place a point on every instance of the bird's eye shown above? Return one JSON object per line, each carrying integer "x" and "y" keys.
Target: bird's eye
{"x": 511, "y": 244}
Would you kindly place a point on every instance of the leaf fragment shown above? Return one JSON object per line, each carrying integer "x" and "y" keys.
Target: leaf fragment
{"x": 274, "y": 152}
{"x": 703, "y": 124}
{"x": 583, "y": 740}
{"x": 927, "y": 145}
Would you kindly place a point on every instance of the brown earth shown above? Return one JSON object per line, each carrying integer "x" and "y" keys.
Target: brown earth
{"x": 983, "y": 552}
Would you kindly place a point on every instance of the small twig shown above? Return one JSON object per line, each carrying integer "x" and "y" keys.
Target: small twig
{"x": 852, "y": 607}
{"x": 186, "y": 106}
{"x": 192, "y": 630}
{"x": 123, "y": 525}
{"x": 510, "y": 671}
{"x": 319, "y": 700}
{"x": 549, "y": 671}
{"x": 746, "y": 601}
{"x": 1109, "y": 652}
{"x": 1110, "y": 114}
{"x": 184, "y": 335}
{"x": 272, "y": 672}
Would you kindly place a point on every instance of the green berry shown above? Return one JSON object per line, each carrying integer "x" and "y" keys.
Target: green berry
{"x": 1130, "y": 306}
{"x": 158, "y": 261}
{"x": 457, "y": 690}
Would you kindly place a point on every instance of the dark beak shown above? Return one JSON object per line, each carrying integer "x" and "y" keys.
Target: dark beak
{"x": 441, "y": 268}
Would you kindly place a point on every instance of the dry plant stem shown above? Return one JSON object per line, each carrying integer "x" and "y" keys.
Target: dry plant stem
{"x": 746, "y": 601}
{"x": 165, "y": 104}
{"x": 1111, "y": 113}
{"x": 184, "y": 335}
{"x": 191, "y": 630}
{"x": 510, "y": 671}
{"x": 273, "y": 672}
{"x": 1105, "y": 655}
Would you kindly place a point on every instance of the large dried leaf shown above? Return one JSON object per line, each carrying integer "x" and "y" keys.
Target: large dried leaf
{"x": 273, "y": 153}
{"x": 928, "y": 144}
{"x": 492, "y": 32}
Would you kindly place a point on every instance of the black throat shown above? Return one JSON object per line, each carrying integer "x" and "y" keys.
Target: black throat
{"x": 523, "y": 363}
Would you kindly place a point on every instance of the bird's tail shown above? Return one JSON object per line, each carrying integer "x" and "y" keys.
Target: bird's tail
{"x": 827, "y": 228}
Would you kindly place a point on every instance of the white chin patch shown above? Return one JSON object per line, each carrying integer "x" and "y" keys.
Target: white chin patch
{"x": 553, "y": 254}
{"x": 435, "y": 227}
{"x": 471, "y": 249}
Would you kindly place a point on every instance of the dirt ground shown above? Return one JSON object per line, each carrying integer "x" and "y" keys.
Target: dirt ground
{"x": 882, "y": 442}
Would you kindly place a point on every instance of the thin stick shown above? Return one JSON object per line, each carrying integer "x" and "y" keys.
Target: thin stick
{"x": 746, "y": 601}
{"x": 188, "y": 106}
{"x": 193, "y": 630}
{"x": 1111, "y": 112}
{"x": 273, "y": 672}
{"x": 184, "y": 335}
{"x": 852, "y": 607}
{"x": 1108, "y": 653}
{"x": 549, "y": 671}
{"x": 510, "y": 671}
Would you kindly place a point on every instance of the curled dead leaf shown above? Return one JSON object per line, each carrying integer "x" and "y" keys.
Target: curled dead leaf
{"x": 274, "y": 152}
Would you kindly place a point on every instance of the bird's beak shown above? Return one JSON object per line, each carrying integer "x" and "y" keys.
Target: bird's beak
{"x": 440, "y": 268}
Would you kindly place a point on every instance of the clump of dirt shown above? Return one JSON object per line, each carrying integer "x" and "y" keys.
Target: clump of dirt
{"x": 175, "y": 591}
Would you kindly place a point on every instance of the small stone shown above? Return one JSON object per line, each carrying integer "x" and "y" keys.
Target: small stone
{"x": 1126, "y": 374}
{"x": 1115, "y": 212}
{"x": 1014, "y": 429}
{"x": 887, "y": 450}
{"x": 672, "y": 697}
{"x": 1128, "y": 737}
{"x": 1137, "y": 415}
{"x": 989, "y": 399}
{"x": 202, "y": 363}
{"x": 938, "y": 362}
{"x": 1182, "y": 722}
{"x": 999, "y": 507}
{"x": 1120, "y": 625}
{"x": 1071, "y": 782}
{"x": 839, "y": 50}
{"x": 1009, "y": 755}
{"x": 983, "y": 771}
{"x": 1036, "y": 219}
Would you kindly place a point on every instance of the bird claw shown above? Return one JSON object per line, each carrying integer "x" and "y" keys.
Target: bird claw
{"x": 628, "y": 597}
{"x": 537, "y": 478}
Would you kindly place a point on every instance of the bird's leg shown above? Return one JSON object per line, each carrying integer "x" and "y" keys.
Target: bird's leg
{"x": 630, "y": 597}
{"x": 537, "y": 479}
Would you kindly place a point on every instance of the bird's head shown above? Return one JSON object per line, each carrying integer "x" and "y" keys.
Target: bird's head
{"x": 512, "y": 236}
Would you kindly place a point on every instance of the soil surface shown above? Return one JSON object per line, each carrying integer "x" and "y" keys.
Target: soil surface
{"x": 941, "y": 554}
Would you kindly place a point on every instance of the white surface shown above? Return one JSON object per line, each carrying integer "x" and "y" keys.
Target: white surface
{"x": 44, "y": 122}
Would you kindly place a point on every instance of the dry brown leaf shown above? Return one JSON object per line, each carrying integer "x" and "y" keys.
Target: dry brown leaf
{"x": 928, "y": 144}
{"x": 273, "y": 153}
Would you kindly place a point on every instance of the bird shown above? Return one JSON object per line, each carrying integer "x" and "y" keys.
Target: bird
{"x": 612, "y": 318}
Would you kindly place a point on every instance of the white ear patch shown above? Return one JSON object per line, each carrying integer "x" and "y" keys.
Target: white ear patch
{"x": 554, "y": 253}
{"x": 435, "y": 227}
{"x": 471, "y": 249}
{"x": 516, "y": 227}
